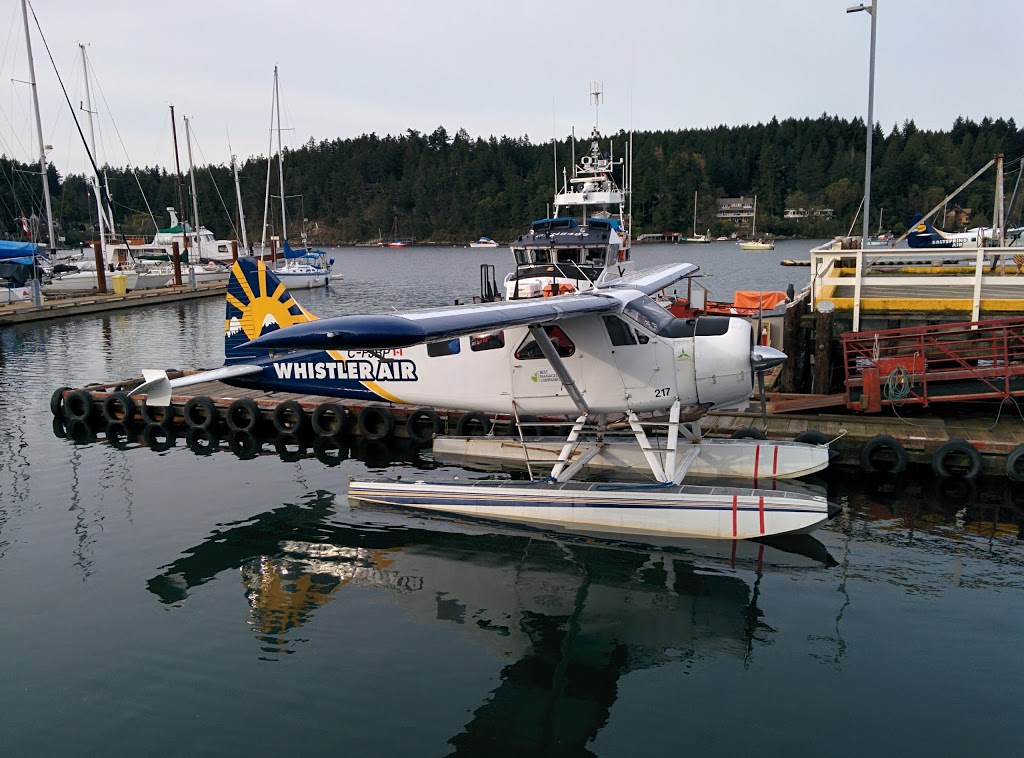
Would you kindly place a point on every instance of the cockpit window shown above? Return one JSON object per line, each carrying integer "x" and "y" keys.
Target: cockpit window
{"x": 648, "y": 314}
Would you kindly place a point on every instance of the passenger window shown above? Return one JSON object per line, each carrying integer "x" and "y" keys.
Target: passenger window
{"x": 444, "y": 347}
{"x": 488, "y": 341}
{"x": 530, "y": 350}
{"x": 619, "y": 331}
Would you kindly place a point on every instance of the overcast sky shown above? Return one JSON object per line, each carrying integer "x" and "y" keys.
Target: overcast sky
{"x": 513, "y": 68}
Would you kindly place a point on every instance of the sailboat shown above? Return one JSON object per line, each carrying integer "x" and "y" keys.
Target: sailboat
{"x": 706, "y": 237}
{"x": 306, "y": 267}
{"x": 395, "y": 241}
{"x": 759, "y": 244}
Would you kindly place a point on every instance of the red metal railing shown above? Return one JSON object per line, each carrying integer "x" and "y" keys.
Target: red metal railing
{"x": 927, "y": 364}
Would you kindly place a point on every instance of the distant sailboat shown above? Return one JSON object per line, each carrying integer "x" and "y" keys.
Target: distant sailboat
{"x": 706, "y": 237}
{"x": 753, "y": 243}
{"x": 395, "y": 241}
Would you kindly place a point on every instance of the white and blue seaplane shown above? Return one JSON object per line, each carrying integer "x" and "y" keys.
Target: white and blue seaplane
{"x": 609, "y": 355}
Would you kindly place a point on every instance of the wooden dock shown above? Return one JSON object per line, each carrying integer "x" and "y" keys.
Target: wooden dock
{"x": 78, "y": 305}
{"x": 920, "y": 436}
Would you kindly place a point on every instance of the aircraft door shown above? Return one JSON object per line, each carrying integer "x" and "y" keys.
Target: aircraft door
{"x": 645, "y": 362}
{"x": 534, "y": 377}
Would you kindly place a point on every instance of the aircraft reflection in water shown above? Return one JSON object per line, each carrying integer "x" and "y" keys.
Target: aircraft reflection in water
{"x": 569, "y": 616}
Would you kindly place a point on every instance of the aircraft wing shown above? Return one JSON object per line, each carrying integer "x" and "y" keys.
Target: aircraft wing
{"x": 653, "y": 280}
{"x": 394, "y": 330}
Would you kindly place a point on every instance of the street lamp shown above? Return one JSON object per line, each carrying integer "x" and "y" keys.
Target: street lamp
{"x": 873, "y": 10}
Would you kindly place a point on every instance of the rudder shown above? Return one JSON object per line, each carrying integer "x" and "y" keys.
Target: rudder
{"x": 257, "y": 303}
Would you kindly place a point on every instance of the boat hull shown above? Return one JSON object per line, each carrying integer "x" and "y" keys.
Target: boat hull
{"x": 630, "y": 511}
{"x": 756, "y": 246}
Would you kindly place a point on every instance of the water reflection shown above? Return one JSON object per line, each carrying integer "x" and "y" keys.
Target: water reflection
{"x": 569, "y": 616}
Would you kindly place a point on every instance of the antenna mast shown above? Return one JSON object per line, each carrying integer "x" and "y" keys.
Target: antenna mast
{"x": 39, "y": 128}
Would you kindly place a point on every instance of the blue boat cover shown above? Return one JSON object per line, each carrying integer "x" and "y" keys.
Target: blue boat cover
{"x": 17, "y": 249}
{"x": 290, "y": 252}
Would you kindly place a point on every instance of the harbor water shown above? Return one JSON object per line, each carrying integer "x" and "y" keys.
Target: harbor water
{"x": 184, "y": 599}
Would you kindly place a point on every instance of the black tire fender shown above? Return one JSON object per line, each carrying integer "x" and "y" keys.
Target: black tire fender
{"x": 79, "y": 405}
{"x": 243, "y": 415}
{"x": 376, "y": 422}
{"x": 468, "y": 422}
{"x": 949, "y": 451}
{"x": 162, "y": 415}
{"x": 118, "y": 407}
{"x": 200, "y": 413}
{"x": 421, "y": 425}
{"x": 882, "y": 442}
{"x": 329, "y": 419}
{"x": 748, "y": 433}
{"x": 1013, "y": 460}
{"x": 288, "y": 417}
{"x": 57, "y": 401}
{"x": 812, "y": 437}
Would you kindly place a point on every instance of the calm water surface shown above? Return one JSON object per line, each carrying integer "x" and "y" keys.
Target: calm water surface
{"x": 190, "y": 601}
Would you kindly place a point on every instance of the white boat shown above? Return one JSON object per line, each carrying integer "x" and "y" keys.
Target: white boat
{"x": 697, "y": 238}
{"x": 484, "y": 242}
{"x": 753, "y": 243}
{"x": 615, "y": 509}
{"x": 304, "y": 268}
{"x": 587, "y": 238}
{"x": 83, "y": 278}
{"x": 396, "y": 241}
{"x": 202, "y": 246}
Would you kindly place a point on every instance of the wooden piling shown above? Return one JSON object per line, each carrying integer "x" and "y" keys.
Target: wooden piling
{"x": 101, "y": 267}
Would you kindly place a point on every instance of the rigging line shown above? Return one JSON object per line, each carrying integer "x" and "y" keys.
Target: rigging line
{"x": 127, "y": 157}
{"x": 102, "y": 190}
{"x": 213, "y": 180}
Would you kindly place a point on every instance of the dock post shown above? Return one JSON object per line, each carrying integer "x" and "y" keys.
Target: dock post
{"x": 234, "y": 251}
{"x": 101, "y": 272}
{"x": 273, "y": 253}
{"x": 822, "y": 376}
{"x": 176, "y": 255}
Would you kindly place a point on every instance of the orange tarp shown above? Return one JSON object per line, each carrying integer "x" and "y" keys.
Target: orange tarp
{"x": 754, "y": 299}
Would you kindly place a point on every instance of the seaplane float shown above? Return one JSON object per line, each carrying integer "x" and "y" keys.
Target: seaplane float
{"x": 609, "y": 356}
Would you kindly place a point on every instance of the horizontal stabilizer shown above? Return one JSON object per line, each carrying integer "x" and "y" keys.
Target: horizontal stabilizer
{"x": 157, "y": 387}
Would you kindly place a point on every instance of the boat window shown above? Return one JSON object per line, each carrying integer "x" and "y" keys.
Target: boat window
{"x": 648, "y": 314}
{"x": 595, "y": 256}
{"x": 488, "y": 341}
{"x": 522, "y": 255}
{"x": 570, "y": 255}
{"x": 444, "y": 347}
{"x": 530, "y": 350}
{"x": 542, "y": 256}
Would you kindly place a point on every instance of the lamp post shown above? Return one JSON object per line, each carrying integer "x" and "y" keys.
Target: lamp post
{"x": 873, "y": 10}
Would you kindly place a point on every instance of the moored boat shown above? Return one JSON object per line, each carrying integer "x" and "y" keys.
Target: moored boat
{"x": 484, "y": 242}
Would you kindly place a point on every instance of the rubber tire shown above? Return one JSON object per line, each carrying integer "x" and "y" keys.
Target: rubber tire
{"x": 57, "y": 402}
{"x": 151, "y": 437}
{"x": 465, "y": 423}
{"x": 418, "y": 419}
{"x": 79, "y": 406}
{"x": 119, "y": 408}
{"x": 748, "y": 433}
{"x": 953, "y": 447}
{"x": 881, "y": 442}
{"x": 282, "y": 443}
{"x": 812, "y": 437}
{"x": 329, "y": 420}
{"x": 1012, "y": 459}
{"x": 200, "y": 413}
{"x": 288, "y": 417}
{"x": 244, "y": 445}
{"x": 161, "y": 415}
{"x": 243, "y": 415}
{"x": 376, "y": 423}
{"x": 201, "y": 441}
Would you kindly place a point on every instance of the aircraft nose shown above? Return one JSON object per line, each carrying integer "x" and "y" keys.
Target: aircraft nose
{"x": 763, "y": 357}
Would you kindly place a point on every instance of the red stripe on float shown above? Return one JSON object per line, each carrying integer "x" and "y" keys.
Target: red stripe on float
{"x": 757, "y": 459}
{"x": 775, "y": 462}
{"x": 760, "y": 506}
{"x": 735, "y": 504}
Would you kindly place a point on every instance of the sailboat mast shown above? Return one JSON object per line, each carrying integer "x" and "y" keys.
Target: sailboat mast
{"x": 695, "y": 213}
{"x": 39, "y": 128}
{"x": 195, "y": 199}
{"x": 181, "y": 195}
{"x": 280, "y": 160}
{"x": 238, "y": 196}
{"x": 92, "y": 146}
{"x": 270, "y": 160}
{"x": 753, "y": 225}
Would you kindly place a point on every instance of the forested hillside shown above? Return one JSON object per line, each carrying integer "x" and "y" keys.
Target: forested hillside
{"x": 453, "y": 188}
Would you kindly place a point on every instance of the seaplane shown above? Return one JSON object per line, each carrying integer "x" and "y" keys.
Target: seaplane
{"x": 923, "y": 235}
{"x": 609, "y": 356}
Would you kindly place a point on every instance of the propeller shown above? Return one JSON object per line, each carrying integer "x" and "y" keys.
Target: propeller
{"x": 762, "y": 358}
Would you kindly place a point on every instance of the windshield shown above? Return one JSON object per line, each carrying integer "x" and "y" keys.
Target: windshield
{"x": 648, "y": 314}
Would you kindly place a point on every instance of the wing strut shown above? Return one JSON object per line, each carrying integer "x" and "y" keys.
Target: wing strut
{"x": 544, "y": 343}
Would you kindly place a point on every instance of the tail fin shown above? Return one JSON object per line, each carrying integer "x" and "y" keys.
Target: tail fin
{"x": 257, "y": 303}
{"x": 923, "y": 234}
